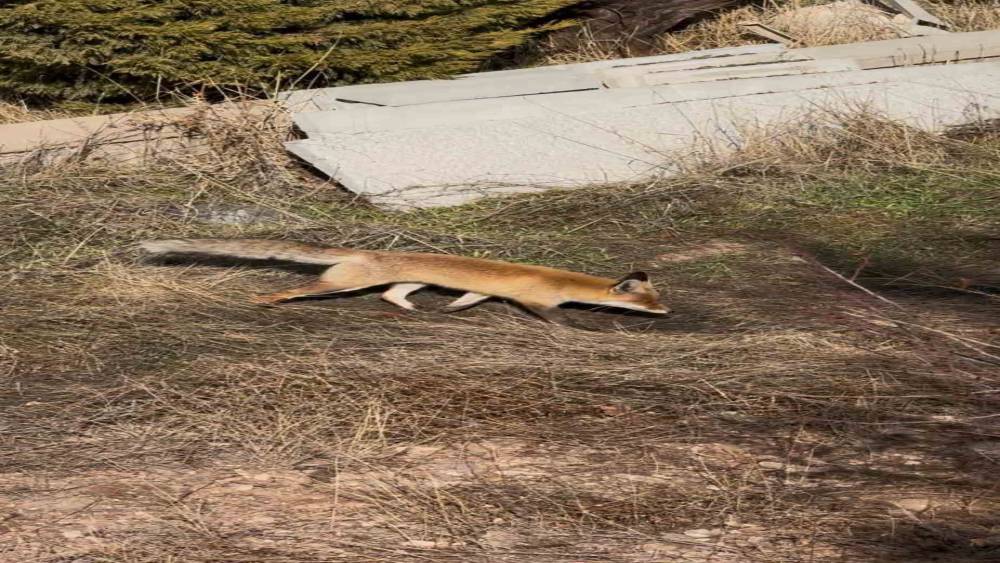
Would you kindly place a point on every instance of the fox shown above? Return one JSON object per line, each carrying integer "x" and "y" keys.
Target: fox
{"x": 539, "y": 289}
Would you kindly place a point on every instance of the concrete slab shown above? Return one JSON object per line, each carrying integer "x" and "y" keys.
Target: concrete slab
{"x": 761, "y": 70}
{"x": 929, "y": 49}
{"x": 427, "y": 91}
{"x": 449, "y": 164}
{"x": 577, "y": 104}
{"x": 631, "y": 72}
{"x": 588, "y": 67}
{"x": 316, "y": 100}
{"x": 537, "y": 80}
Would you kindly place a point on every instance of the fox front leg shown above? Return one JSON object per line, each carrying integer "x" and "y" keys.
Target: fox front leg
{"x": 553, "y": 315}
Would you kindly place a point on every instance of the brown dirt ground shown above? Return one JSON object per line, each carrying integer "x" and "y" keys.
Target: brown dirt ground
{"x": 150, "y": 413}
{"x": 347, "y": 430}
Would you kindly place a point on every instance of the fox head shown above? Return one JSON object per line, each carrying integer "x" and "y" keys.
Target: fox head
{"x": 635, "y": 292}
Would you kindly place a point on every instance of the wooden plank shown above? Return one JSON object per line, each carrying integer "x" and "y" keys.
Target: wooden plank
{"x": 116, "y": 134}
{"x": 915, "y": 11}
{"x": 928, "y": 49}
{"x": 766, "y": 32}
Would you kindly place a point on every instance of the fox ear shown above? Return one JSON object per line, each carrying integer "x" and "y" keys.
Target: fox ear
{"x": 630, "y": 283}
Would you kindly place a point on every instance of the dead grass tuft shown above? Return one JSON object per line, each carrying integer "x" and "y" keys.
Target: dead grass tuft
{"x": 967, "y": 15}
{"x": 19, "y": 113}
{"x": 830, "y": 139}
{"x": 834, "y": 23}
{"x": 811, "y": 23}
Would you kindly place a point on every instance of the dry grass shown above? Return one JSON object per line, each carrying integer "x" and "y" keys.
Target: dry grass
{"x": 967, "y": 15}
{"x": 19, "y": 113}
{"x": 150, "y": 413}
{"x": 811, "y": 23}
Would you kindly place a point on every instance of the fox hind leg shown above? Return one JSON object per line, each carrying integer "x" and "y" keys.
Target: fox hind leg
{"x": 318, "y": 288}
{"x": 465, "y": 301}
{"x": 337, "y": 279}
{"x": 398, "y": 292}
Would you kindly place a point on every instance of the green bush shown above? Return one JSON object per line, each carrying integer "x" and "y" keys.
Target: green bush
{"x": 128, "y": 50}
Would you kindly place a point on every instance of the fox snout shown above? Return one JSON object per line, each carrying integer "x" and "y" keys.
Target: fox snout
{"x": 660, "y": 309}
{"x": 635, "y": 292}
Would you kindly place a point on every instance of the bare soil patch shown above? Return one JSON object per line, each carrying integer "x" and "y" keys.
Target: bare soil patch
{"x": 151, "y": 413}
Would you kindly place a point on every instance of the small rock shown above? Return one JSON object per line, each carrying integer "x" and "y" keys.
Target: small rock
{"x": 262, "y": 477}
{"x": 733, "y": 521}
{"x": 501, "y": 539}
{"x": 703, "y": 533}
{"x": 422, "y": 544}
{"x": 913, "y": 504}
{"x": 72, "y": 534}
{"x": 657, "y": 548}
{"x": 989, "y": 541}
{"x": 241, "y": 487}
{"x": 229, "y": 214}
{"x": 262, "y": 520}
{"x": 771, "y": 465}
{"x": 615, "y": 410}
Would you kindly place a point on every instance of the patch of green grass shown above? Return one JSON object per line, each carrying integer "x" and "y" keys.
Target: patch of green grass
{"x": 928, "y": 224}
{"x": 909, "y": 195}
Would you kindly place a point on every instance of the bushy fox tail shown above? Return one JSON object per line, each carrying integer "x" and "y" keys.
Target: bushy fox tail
{"x": 252, "y": 249}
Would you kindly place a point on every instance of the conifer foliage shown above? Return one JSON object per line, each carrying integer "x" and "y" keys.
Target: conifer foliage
{"x": 127, "y": 50}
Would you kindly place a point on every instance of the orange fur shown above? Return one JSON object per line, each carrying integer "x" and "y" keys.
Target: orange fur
{"x": 539, "y": 288}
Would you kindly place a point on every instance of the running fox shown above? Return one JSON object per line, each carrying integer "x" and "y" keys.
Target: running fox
{"x": 539, "y": 289}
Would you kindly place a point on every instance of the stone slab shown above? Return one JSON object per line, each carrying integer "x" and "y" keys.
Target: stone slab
{"x": 593, "y": 66}
{"x": 633, "y": 72}
{"x": 576, "y": 104}
{"x": 716, "y": 74}
{"x": 495, "y": 84}
{"x": 427, "y": 91}
{"x": 452, "y": 163}
{"x": 927, "y": 49}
